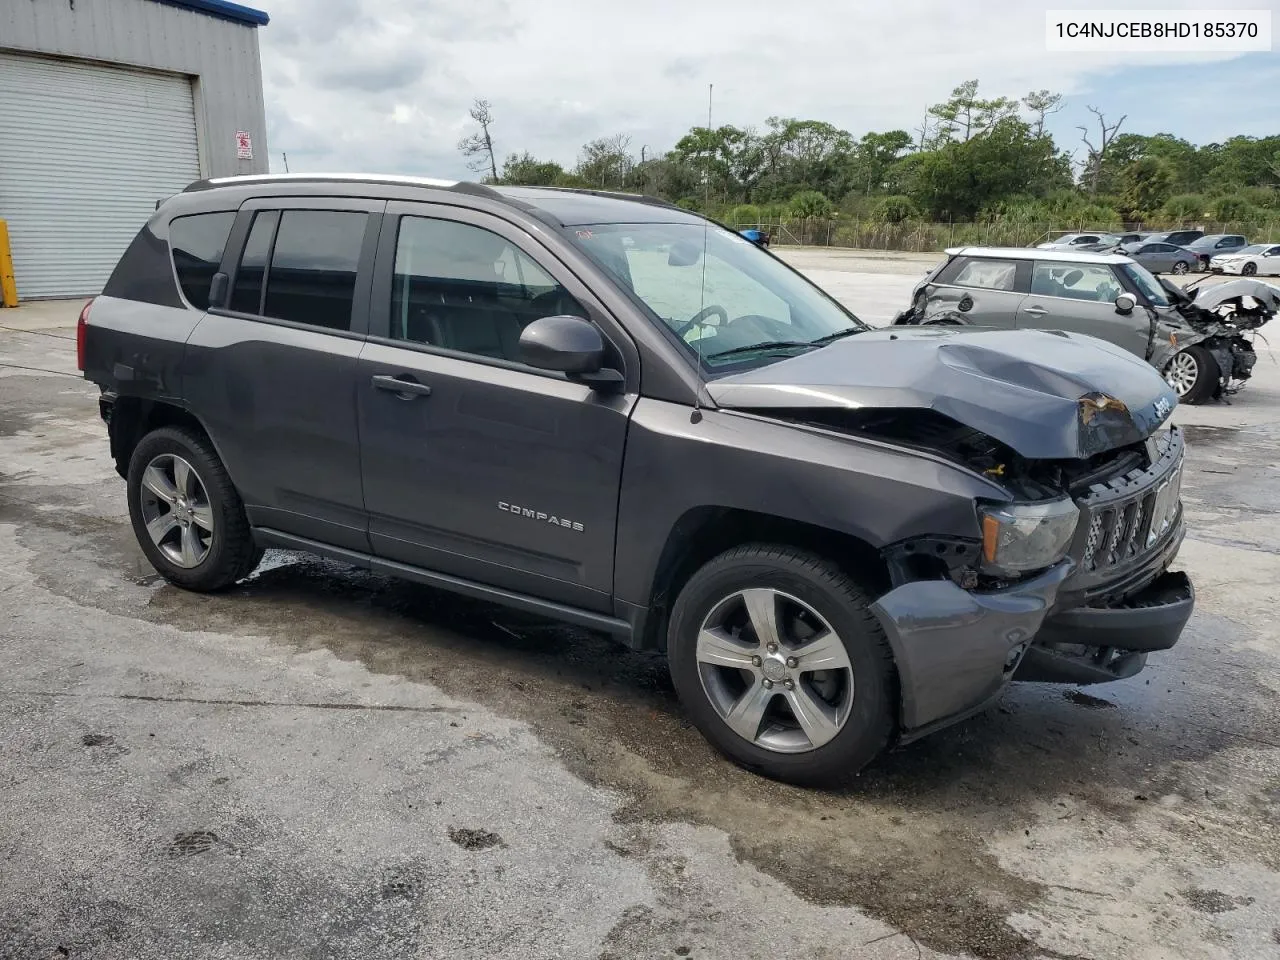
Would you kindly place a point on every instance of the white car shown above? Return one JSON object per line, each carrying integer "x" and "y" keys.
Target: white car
{"x": 1081, "y": 242}
{"x": 1261, "y": 259}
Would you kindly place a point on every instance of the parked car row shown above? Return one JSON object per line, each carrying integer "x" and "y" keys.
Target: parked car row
{"x": 1176, "y": 251}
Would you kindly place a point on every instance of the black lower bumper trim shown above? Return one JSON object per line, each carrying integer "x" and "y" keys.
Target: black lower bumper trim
{"x": 1151, "y": 619}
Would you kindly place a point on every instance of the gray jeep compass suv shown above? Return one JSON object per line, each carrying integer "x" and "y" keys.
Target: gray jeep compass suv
{"x": 609, "y": 411}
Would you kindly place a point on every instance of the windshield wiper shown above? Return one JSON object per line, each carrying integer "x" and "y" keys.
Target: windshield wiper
{"x": 763, "y": 345}
{"x": 838, "y": 335}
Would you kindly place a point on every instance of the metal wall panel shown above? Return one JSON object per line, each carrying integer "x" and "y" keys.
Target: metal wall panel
{"x": 86, "y": 153}
{"x": 222, "y": 56}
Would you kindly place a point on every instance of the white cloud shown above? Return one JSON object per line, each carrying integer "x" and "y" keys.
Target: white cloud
{"x": 354, "y": 84}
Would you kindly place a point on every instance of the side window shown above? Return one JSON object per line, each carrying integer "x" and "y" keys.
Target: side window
{"x": 987, "y": 275}
{"x": 464, "y": 288}
{"x": 312, "y": 278}
{"x": 247, "y": 295}
{"x": 196, "y": 243}
{"x": 1086, "y": 239}
{"x": 1075, "y": 281}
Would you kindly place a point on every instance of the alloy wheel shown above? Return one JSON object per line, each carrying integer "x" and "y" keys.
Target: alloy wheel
{"x": 1180, "y": 267}
{"x": 775, "y": 671}
{"x": 1181, "y": 373}
{"x": 1249, "y": 269}
{"x": 176, "y": 511}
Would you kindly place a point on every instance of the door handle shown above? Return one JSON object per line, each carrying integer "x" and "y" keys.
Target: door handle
{"x": 405, "y": 389}
{"x": 1036, "y": 311}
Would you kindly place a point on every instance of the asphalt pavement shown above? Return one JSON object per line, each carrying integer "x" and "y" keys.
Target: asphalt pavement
{"x": 325, "y": 763}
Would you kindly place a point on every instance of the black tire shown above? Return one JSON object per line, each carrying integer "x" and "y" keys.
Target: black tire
{"x": 1249, "y": 269}
{"x": 839, "y": 600}
{"x": 1206, "y": 375}
{"x": 1181, "y": 267}
{"x": 232, "y": 554}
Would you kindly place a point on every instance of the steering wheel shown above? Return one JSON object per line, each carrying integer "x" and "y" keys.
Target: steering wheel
{"x": 701, "y": 315}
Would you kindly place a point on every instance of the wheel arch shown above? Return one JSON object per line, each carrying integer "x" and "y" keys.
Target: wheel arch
{"x": 132, "y": 418}
{"x": 704, "y": 532}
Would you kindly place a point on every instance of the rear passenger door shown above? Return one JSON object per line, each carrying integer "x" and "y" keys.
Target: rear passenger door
{"x": 272, "y": 371}
{"x": 482, "y": 467}
{"x": 984, "y": 291}
{"x": 1080, "y": 298}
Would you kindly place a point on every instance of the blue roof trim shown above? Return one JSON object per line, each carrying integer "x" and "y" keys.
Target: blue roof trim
{"x": 223, "y": 10}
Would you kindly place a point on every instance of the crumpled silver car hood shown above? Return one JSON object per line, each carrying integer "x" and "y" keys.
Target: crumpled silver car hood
{"x": 1025, "y": 388}
{"x": 1208, "y": 298}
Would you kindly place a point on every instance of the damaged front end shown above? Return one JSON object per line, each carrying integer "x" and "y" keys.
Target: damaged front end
{"x": 1221, "y": 319}
{"x": 1065, "y": 575}
{"x": 962, "y": 625}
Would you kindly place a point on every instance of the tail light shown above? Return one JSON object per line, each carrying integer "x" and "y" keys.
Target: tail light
{"x": 81, "y": 326}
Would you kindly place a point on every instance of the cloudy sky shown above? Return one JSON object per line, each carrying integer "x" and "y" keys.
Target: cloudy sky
{"x": 385, "y": 86}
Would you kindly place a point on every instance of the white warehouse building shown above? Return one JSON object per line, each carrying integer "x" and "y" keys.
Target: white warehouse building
{"x": 108, "y": 106}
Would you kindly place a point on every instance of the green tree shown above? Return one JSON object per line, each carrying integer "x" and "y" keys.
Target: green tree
{"x": 809, "y": 204}
{"x": 965, "y": 177}
{"x": 527, "y": 170}
{"x": 1041, "y": 103}
{"x": 606, "y": 162}
{"x": 965, "y": 115}
{"x": 1185, "y": 206}
{"x": 895, "y": 209}
{"x": 1145, "y": 185}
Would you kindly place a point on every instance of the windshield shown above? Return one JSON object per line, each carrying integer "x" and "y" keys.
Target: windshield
{"x": 1145, "y": 282}
{"x": 1253, "y": 248}
{"x": 720, "y": 304}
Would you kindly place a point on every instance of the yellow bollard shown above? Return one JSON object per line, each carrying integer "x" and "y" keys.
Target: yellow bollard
{"x": 8, "y": 287}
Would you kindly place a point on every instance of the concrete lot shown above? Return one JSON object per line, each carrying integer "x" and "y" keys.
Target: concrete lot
{"x": 324, "y": 763}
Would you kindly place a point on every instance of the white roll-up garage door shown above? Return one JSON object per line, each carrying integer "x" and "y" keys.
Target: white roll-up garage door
{"x": 85, "y": 153}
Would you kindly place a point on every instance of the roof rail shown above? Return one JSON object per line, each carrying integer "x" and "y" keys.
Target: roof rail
{"x": 383, "y": 178}
{"x": 612, "y": 194}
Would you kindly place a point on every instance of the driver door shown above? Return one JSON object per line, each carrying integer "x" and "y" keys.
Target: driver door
{"x": 482, "y": 467}
{"x": 1080, "y": 298}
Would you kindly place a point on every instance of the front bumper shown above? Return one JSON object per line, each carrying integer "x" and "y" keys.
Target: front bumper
{"x": 1091, "y": 618}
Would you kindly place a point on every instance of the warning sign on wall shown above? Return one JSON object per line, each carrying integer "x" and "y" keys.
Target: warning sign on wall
{"x": 244, "y": 145}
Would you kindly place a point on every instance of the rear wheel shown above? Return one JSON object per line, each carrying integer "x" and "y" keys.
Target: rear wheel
{"x": 1249, "y": 269}
{"x": 782, "y": 666}
{"x": 1181, "y": 266}
{"x": 1193, "y": 374}
{"x": 186, "y": 513}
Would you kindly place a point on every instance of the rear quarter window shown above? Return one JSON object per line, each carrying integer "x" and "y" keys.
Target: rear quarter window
{"x": 196, "y": 243}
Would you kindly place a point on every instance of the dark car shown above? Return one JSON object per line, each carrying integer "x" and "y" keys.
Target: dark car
{"x": 1202, "y": 343}
{"x": 1215, "y": 245}
{"x": 611, "y": 412}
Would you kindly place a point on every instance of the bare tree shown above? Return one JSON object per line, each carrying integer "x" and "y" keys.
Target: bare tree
{"x": 1041, "y": 103}
{"x": 1098, "y": 153}
{"x": 478, "y": 147}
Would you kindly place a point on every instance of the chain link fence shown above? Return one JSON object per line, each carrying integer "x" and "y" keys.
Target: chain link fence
{"x": 926, "y": 237}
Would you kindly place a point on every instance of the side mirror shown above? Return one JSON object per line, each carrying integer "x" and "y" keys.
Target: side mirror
{"x": 568, "y": 344}
{"x": 1125, "y": 303}
{"x": 218, "y": 290}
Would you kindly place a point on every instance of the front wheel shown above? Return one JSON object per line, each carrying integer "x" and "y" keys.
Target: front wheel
{"x": 1193, "y": 374}
{"x": 782, "y": 666}
{"x": 1249, "y": 269}
{"x": 1181, "y": 267}
{"x": 186, "y": 513}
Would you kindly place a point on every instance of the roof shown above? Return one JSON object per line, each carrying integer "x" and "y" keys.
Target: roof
{"x": 1033, "y": 253}
{"x": 565, "y": 206}
{"x": 223, "y": 10}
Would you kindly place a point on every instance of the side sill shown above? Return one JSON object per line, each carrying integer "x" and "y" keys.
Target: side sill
{"x": 266, "y": 537}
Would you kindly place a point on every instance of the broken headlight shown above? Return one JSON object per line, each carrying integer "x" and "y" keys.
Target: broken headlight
{"x": 1020, "y": 537}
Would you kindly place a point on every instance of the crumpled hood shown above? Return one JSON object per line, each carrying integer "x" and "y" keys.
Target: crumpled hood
{"x": 1025, "y": 388}
{"x": 1210, "y": 297}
